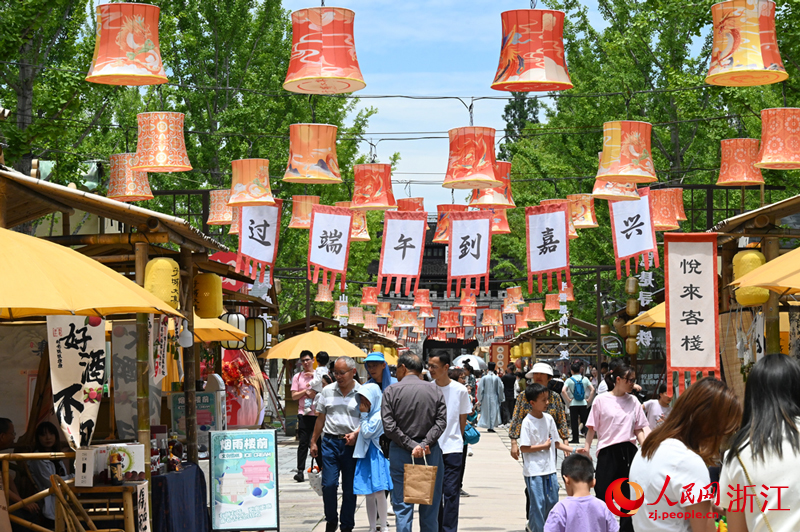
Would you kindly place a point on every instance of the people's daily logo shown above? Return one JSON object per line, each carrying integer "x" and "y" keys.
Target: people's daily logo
{"x": 618, "y": 503}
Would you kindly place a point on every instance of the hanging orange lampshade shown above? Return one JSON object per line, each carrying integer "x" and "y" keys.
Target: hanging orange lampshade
{"x": 525, "y": 312}
{"x": 626, "y": 153}
{"x": 509, "y": 307}
{"x": 370, "y": 321}
{"x": 442, "y": 234}
{"x": 448, "y": 319}
{"x": 160, "y": 146}
{"x": 471, "y": 163}
{"x": 369, "y": 296}
{"x": 492, "y": 317}
{"x": 356, "y": 315}
{"x": 341, "y": 309}
{"x": 301, "y": 211}
{"x": 745, "y": 50}
{"x": 532, "y": 52}
{"x": 419, "y": 328}
{"x": 219, "y": 212}
{"x": 665, "y": 217}
{"x": 551, "y": 302}
{"x": 359, "y": 232}
{"x": 498, "y": 197}
{"x": 250, "y": 183}
{"x": 737, "y": 164}
{"x": 422, "y": 298}
{"x": 519, "y": 322}
{"x": 400, "y": 319}
{"x": 499, "y": 221}
{"x": 467, "y": 321}
{"x": 372, "y": 190}
{"x": 324, "y": 294}
{"x": 323, "y": 59}
{"x": 469, "y": 297}
{"x": 606, "y": 190}
{"x": 569, "y": 292}
{"x": 573, "y": 234}
{"x": 677, "y": 200}
{"x": 126, "y": 50}
{"x": 384, "y": 309}
{"x": 236, "y": 221}
{"x": 515, "y": 294}
{"x": 124, "y": 184}
{"x": 469, "y": 311}
{"x": 535, "y": 312}
{"x": 425, "y": 312}
{"x": 411, "y": 204}
{"x": 312, "y": 155}
{"x": 780, "y": 139}
{"x": 582, "y": 208}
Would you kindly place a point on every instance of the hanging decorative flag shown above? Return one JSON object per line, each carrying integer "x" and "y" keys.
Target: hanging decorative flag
{"x": 402, "y": 249}
{"x": 77, "y": 370}
{"x": 258, "y": 238}
{"x": 159, "y": 336}
{"x": 546, "y": 227}
{"x": 632, "y": 231}
{"x": 469, "y": 249}
{"x": 329, "y": 243}
{"x": 692, "y": 313}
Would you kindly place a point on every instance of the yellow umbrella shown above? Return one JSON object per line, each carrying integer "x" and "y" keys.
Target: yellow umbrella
{"x": 40, "y": 278}
{"x": 780, "y": 275}
{"x": 216, "y": 330}
{"x": 655, "y": 317}
{"x": 315, "y": 341}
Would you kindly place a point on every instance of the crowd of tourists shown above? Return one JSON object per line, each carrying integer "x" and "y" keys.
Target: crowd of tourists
{"x": 694, "y": 462}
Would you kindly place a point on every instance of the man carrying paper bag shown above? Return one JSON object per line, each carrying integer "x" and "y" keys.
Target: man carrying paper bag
{"x": 414, "y": 417}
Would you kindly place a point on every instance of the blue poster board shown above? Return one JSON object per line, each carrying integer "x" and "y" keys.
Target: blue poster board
{"x": 244, "y": 480}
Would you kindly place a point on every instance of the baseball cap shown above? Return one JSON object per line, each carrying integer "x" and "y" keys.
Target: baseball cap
{"x": 540, "y": 367}
{"x": 375, "y": 356}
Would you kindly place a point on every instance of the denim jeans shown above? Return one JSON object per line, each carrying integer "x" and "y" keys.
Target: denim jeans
{"x": 543, "y": 491}
{"x": 404, "y": 512}
{"x": 338, "y": 457}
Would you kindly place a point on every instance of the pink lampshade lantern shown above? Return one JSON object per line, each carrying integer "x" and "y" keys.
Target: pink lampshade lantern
{"x": 356, "y": 315}
{"x": 425, "y": 312}
{"x": 160, "y": 146}
{"x": 569, "y": 292}
{"x": 582, "y": 208}
{"x": 369, "y": 296}
{"x": 422, "y": 298}
{"x": 472, "y": 159}
{"x": 509, "y": 307}
{"x": 442, "y": 234}
{"x": 359, "y": 232}
{"x": 677, "y": 199}
{"x": 384, "y": 309}
{"x": 551, "y": 302}
{"x": 515, "y": 295}
{"x": 372, "y": 188}
{"x": 499, "y": 332}
{"x": 341, "y": 309}
{"x": 780, "y": 142}
{"x": 627, "y": 156}
{"x": 312, "y": 155}
{"x": 737, "y": 167}
{"x": 492, "y": 317}
{"x": 250, "y": 183}
{"x": 125, "y": 184}
{"x": 324, "y": 294}
{"x": 519, "y": 322}
{"x": 236, "y": 221}
{"x": 573, "y": 234}
{"x": 664, "y": 215}
{"x": 498, "y": 197}
{"x": 219, "y": 212}
{"x": 301, "y": 211}
{"x": 535, "y": 312}
{"x": 412, "y": 205}
{"x": 370, "y": 321}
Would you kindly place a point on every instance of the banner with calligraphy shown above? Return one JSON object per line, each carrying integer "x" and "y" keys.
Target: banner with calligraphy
{"x": 546, "y": 227}
{"x": 77, "y": 371}
{"x": 469, "y": 249}
{"x": 329, "y": 243}
{"x": 259, "y": 233}
{"x": 632, "y": 231}
{"x": 159, "y": 334}
{"x": 402, "y": 249}
{"x": 692, "y": 313}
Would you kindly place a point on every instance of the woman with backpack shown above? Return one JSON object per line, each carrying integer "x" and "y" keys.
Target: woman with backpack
{"x": 577, "y": 392}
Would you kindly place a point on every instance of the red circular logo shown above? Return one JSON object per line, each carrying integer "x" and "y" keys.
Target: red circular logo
{"x": 624, "y": 506}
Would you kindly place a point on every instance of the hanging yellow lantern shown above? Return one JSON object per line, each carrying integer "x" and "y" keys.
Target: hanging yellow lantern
{"x": 631, "y": 285}
{"x": 745, "y": 262}
{"x": 633, "y": 330}
{"x": 631, "y": 347}
{"x": 516, "y": 352}
{"x": 324, "y": 294}
{"x": 162, "y": 278}
{"x": 208, "y": 295}
{"x": 256, "y": 340}
{"x": 527, "y": 350}
{"x": 632, "y": 307}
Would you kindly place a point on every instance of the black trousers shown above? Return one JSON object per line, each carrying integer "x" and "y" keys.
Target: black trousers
{"x": 614, "y": 462}
{"x": 507, "y": 410}
{"x": 451, "y": 492}
{"x": 577, "y": 414}
{"x": 305, "y": 430}
{"x": 463, "y": 467}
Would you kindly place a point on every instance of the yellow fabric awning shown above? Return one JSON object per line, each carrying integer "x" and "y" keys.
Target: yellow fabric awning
{"x": 780, "y": 275}
{"x": 314, "y": 341}
{"x": 216, "y": 330}
{"x": 655, "y": 317}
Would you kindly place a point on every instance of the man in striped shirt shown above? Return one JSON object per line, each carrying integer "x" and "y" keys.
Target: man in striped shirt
{"x": 338, "y": 423}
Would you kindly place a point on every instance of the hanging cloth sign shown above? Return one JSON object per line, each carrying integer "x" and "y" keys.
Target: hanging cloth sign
{"x": 469, "y": 249}
{"x": 691, "y": 305}
{"x": 77, "y": 370}
{"x": 402, "y": 248}
{"x": 632, "y": 231}
{"x": 159, "y": 340}
{"x": 329, "y": 243}
{"x": 546, "y": 227}
{"x": 259, "y": 233}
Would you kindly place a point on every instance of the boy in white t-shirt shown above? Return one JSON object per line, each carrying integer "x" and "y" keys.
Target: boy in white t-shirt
{"x": 658, "y": 409}
{"x": 538, "y": 441}
{"x": 316, "y": 383}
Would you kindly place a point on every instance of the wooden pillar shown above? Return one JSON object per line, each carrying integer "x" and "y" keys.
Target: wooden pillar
{"x": 772, "y": 322}
{"x": 142, "y": 359}
{"x": 189, "y": 357}
{"x": 726, "y": 292}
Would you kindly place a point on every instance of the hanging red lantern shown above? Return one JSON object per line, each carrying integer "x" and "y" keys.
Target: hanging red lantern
{"x": 124, "y": 184}
{"x": 532, "y": 52}
{"x": 442, "y": 234}
{"x": 499, "y": 332}
{"x": 236, "y": 221}
{"x": 499, "y": 221}
{"x": 372, "y": 189}
{"x": 551, "y": 302}
{"x": 301, "y": 211}
{"x": 412, "y": 205}
{"x": 664, "y": 215}
{"x": 219, "y": 212}
{"x": 323, "y": 57}
{"x": 469, "y": 297}
{"x": 472, "y": 159}
{"x": 509, "y": 307}
{"x": 737, "y": 166}
{"x": 780, "y": 139}
{"x": 519, "y": 322}
{"x": 126, "y": 49}
{"x": 745, "y": 50}
{"x": 469, "y": 311}
{"x": 422, "y": 298}
{"x": 370, "y": 321}
{"x": 426, "y": 312}
{"x": 515, "y": 294}
{"x": 573, "y": 234}
{"x": 384, "y": 309}
{"x": 324, "y": 294}
{"x": 369, "y": 296}
{"x": 498, "y": 197}
{"x": 626, "y": 153}
{"x": 677, "y": 201}
{"x": 469, "y": 321}
{"x": 535, "y": 312}
{"x": 492, "y": 317}
{"x": 356, "y": 315}
{"x": 250, "y": 183}
{"x": 448, "y": 319}
{"x": 606, "y": 190}
{"x": 569, "y": 292}
{"x": 312, "y": 155}
{"x": 359, "y": 232}
{"x": 582, "y": 208}
{"x": 160, "y": 146}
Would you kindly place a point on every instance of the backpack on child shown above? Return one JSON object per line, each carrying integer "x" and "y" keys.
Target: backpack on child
{"x": 579, "y": 394}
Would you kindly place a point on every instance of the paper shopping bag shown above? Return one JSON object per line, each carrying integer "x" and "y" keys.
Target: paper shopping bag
{"x": 419, "y": 481}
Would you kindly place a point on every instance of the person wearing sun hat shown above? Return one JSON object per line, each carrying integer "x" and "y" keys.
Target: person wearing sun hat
{"x": 378, "y": 370}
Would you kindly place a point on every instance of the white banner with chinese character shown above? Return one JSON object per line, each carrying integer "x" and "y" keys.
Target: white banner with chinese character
{"x": 632, "y": 231}
{"x": 142, "y": 508}
{"x": 259, "y": 232}
{"x": 402, "y": 249}
{"x": 329, "y": 243}
{"x": 77, "y": 370}
{"x": 469, "y": 250}
{"x": 691, "y": 300}
{"x": 159, "y": 334}
{"x": 546, "y": 227}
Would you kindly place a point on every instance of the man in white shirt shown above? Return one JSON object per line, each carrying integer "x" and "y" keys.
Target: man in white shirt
{"x": 577, "y": 393}
{"x": 459, "y": 406}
